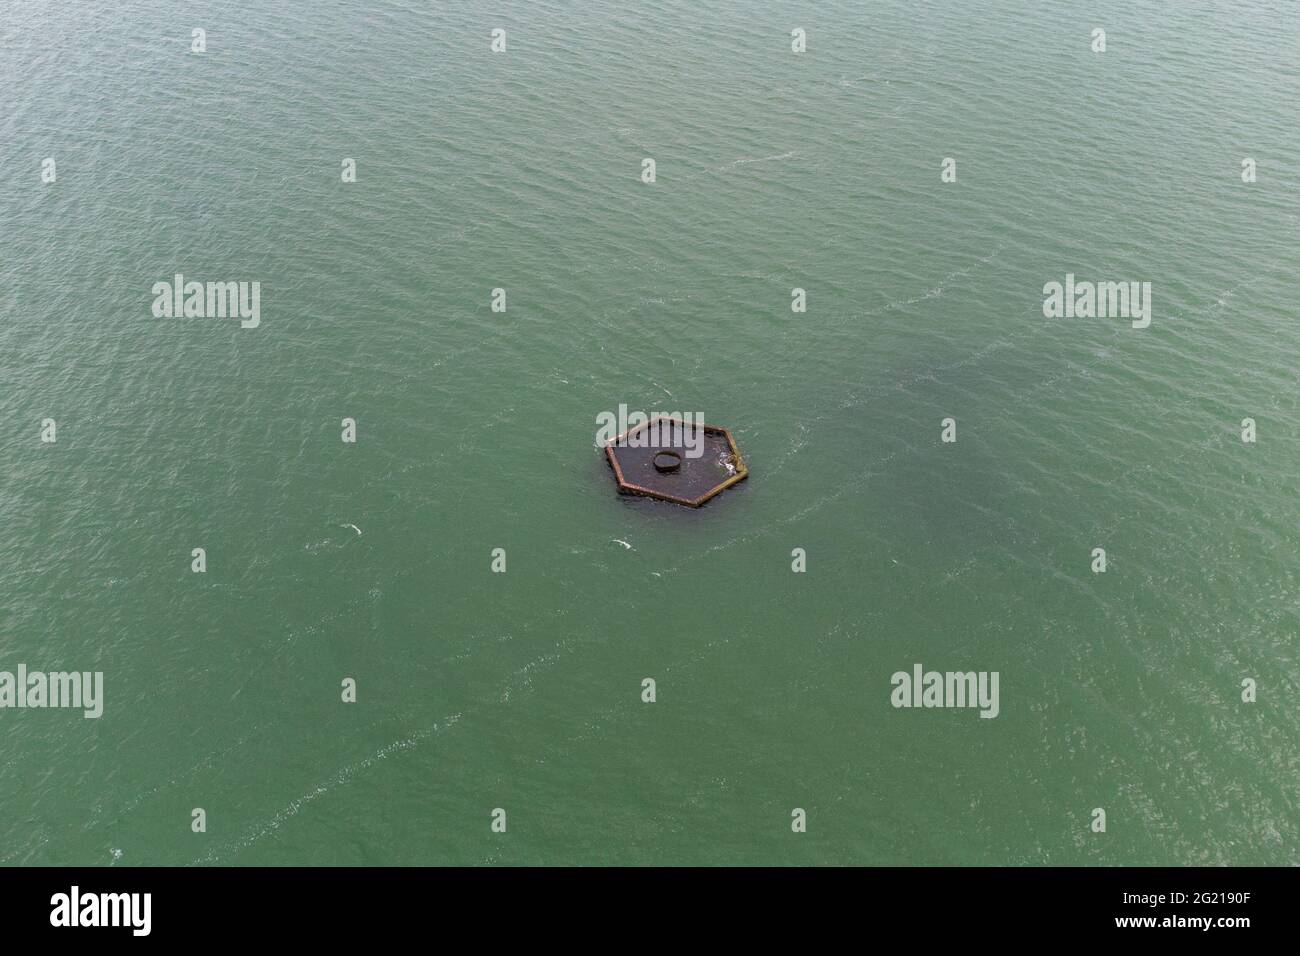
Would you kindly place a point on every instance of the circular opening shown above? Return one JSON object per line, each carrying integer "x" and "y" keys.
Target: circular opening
{"x": 666, "y": 461}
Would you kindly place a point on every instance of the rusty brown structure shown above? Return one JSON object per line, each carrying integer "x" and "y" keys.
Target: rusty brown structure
{"x": 691, "y": 481}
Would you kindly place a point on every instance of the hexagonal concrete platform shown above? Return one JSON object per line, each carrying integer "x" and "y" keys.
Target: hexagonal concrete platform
{"x": 663, "y": 469}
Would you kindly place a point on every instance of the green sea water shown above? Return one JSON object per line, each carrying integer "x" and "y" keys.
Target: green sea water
{"x": 523, "y": 691}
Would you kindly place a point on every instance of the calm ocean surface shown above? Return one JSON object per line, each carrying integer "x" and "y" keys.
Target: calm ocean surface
{"x": 522, "y": 690}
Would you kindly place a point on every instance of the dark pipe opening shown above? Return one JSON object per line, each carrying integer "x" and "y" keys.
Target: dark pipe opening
{"x": 666, "y": 461}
